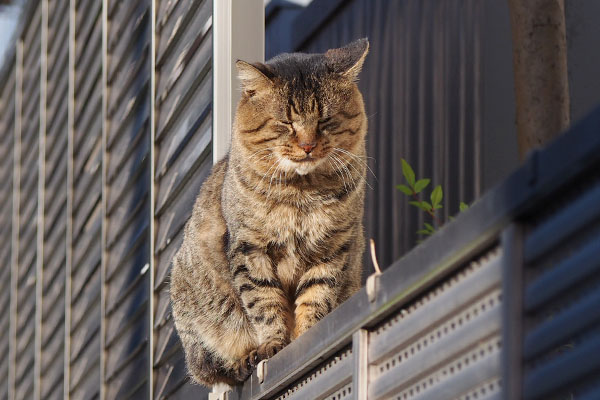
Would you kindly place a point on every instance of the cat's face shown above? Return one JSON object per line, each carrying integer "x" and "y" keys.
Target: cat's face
{"x": 301, "y": 113}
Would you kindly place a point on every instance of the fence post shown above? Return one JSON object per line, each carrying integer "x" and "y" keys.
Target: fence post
{"x": 512, "y": 313}
{"x": 238, "y": 33}
{"x": 360, "y": 377}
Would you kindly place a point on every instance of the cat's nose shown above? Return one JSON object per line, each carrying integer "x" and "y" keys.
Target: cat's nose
{"x": 308, "y": 147}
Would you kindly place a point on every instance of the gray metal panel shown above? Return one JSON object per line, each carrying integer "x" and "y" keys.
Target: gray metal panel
{"x": 84, "y": 322}
{"x": 126, "y": 295}
{"x": 561, "y": 298}
{"x": 52, "y": 333}
{"x": 7, "y": 127}
{"x": 28, "y": 203}
{"x": 433, "y": 347}
{"x": 330, "y": 380}
{"x": 182, "y": 146}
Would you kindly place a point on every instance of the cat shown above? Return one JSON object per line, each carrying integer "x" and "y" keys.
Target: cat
{"x": 275, "y": 239}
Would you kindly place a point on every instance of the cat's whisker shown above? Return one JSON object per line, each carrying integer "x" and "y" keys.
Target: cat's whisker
{"x": 357, "y": 171}
{"x": 344, "y": 171}
{"x": 265, "y": 175}
{"x": 343, "y": 168}
{"x": 357, "y": 158}
{"x": 335, "y": 168}
{"x": 272, "y": 176}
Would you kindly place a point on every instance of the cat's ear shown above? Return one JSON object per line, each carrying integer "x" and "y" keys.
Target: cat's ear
{"x": 255, "y": 78}
{"x": 348, "y": 60}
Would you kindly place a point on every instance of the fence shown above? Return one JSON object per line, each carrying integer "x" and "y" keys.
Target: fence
{"x": 105, "y": 138}
{"x": 501, "y": 303}
{"x": 99, "y": 178}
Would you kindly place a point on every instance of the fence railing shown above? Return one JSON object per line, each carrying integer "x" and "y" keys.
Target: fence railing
{"x": 501, "y": 303}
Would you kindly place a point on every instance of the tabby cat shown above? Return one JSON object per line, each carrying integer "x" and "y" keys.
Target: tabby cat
{"x": 275, "y": 239}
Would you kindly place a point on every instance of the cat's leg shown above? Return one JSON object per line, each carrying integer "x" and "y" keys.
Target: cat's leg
{"x": 329, "y": 282}
{"x": 318, "y": 292}
{"x": 263, "y": 296}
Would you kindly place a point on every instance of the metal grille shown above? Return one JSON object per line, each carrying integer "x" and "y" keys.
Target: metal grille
{"x": 55, "y": 74}
{"x": 7, "y": 122}
{"x": 127, "y": 201}
{"x": 331, "y": 380}
{"x": 561, "y": 300}
{"x": 433, "y": 348}
{"x": 182, "y": 142}
{"x": 83, "y": 320}
{"x": 27, "y": 187}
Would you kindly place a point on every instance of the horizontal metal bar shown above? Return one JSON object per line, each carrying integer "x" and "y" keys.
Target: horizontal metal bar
{"x": 562, "y": 326}
{"x": 334, "y": 375}
{"x": 443, "y": 305}
{"x": 440, "y": 351}
{"x": 552, "y": 283}
{"x": 571, "y": 219}
{"x": 562, "y": 370}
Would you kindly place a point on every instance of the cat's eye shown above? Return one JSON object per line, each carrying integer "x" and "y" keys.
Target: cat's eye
{"x": 324, "y": 120}
{"x": 286, "y": 122}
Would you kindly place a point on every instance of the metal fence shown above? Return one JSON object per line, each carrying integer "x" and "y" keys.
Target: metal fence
{"x": 99, "y": 175}
{"x": 501, "y": 303}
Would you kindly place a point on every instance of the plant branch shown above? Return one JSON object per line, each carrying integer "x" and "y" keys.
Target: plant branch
{"x": 430, "y": 212}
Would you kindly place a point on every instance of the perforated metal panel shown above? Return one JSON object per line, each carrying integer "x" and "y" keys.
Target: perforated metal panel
{"x": 182, "y": 143}
{"x": 332, "y": 380}
{"x": 7, "y": 133}
{"x": 26, "y": 246}
{"x": 83, "y": 323}
{"x": 55, "y": 76}
{"x": 127, "y": 201}
{"x": 561, "y": 302}
{"x": 446, "y": 343}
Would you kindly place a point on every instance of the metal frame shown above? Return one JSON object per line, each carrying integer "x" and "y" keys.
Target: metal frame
{"x": 37, "y": 382}
{"x": 15, "y": 219}
{"x": 69, "y": 233}
{"x": 237, "y": 36}
{"x": 512, "y": 329}
{"x": 104, "y": 217}
{"x": 152, "y": 233}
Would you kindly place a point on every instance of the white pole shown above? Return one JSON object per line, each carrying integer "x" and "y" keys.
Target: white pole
{"x": 238, "y": 34}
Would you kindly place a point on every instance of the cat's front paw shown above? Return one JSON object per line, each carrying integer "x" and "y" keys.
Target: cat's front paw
{"x": 246, "y": 365}
{"x": 270, "y": 348}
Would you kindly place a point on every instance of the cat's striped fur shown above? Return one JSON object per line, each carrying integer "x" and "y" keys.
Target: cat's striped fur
{"x": 275, "y": 240}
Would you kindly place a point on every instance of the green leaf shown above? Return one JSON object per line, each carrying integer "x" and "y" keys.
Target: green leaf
{"x": 415, "y": 203}
{"x": 426, "y": 206}
{"x": 463, "y": 206}
{"x": 423, "y": 232}
{"x": 436, "y": 195}
{"x": 405, "y": 189}
{"x": 429, "y": 227}
{"x": 423, "y": 205}
{"x": 408, "y": 172}
{"x": 437, "y": 207}
{"x": 421, "y": 184}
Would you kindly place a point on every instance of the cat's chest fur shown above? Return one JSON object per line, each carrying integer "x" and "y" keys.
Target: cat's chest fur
{"x": 296, "y": 233}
